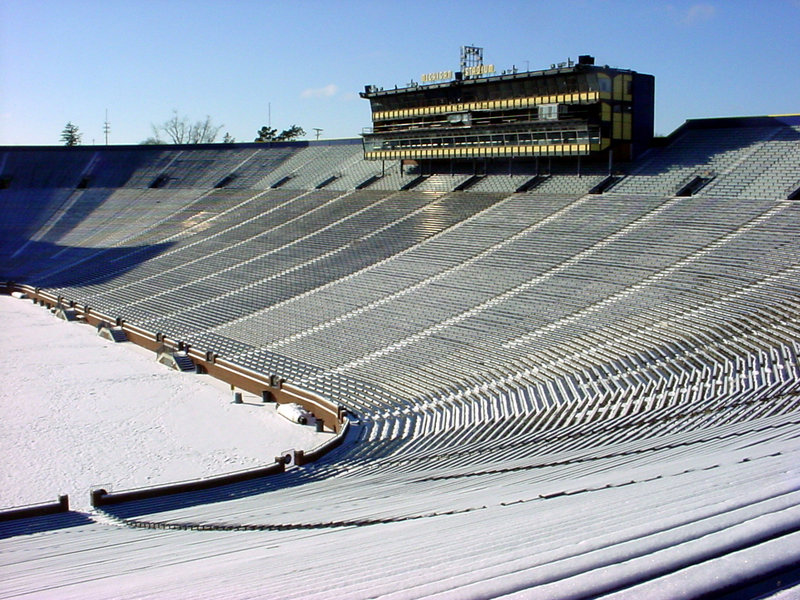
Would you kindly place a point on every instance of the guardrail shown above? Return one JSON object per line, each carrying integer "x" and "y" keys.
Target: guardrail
{"x": 36, "y": 510}
{"x": 269, "y": 387}
{"x": 102, "y": 497}
{"x": 333, "y": 416}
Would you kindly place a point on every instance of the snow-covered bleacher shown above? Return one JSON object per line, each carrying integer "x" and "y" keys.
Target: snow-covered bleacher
{"x": 598, "y": 390}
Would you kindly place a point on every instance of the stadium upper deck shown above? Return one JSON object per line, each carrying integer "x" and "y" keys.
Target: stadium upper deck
{"x": 522, "y": 364}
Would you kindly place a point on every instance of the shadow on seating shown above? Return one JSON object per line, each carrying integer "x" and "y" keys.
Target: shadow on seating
{"x": 50, "y": 265}
{"x": 52, "y": 522}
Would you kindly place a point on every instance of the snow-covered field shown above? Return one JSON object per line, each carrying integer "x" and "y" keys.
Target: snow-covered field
{"x": 79, "y": 412}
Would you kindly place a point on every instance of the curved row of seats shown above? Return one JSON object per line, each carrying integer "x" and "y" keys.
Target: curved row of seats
{"x": 583, "y": 393}
{"x": 391, "y": 300}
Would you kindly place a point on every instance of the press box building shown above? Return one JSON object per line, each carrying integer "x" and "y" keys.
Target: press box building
{"x": 570, "y": 110}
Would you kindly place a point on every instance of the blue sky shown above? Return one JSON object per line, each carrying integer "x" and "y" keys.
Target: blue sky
{"x": 304, "y": 62}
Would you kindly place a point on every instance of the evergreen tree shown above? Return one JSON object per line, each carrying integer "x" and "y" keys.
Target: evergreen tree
{"x": 266, "y": 134}
{"x": 70, "y": 135}
{"x": 292, "y": 133}
{"x": 270, "y": 134}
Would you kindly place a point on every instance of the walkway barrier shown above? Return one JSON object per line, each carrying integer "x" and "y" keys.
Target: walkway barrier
{"x": 101, "y": 497}
{"x": 271, "y": 387}
{"x": 36, "y": 510}
{"x": 206, "y": 361}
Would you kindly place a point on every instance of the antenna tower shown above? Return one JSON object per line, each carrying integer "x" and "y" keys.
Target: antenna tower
{"x": 106, "y": 127}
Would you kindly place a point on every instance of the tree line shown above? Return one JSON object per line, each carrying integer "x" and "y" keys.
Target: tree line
{"x": 180, "y": 129}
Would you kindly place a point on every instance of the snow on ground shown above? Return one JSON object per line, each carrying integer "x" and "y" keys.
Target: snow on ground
{"x": 79, "y": 412}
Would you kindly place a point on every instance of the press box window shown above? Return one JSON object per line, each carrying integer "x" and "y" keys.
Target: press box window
{"x": 548, "y": 112}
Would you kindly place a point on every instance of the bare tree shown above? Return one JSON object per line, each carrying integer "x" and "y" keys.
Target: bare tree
{"x": 204, "y": 132}
{"x": 173, "y": 128}
{"x": 180, "y": 130}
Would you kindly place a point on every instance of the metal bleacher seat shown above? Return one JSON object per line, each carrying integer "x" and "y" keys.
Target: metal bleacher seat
{"x": 540, "y": 339}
